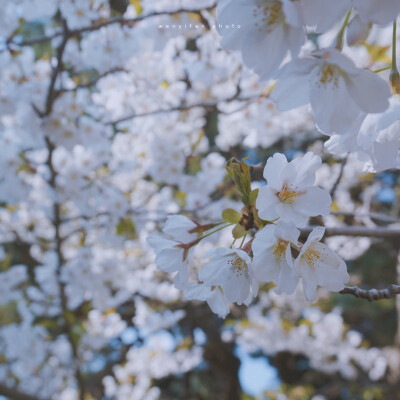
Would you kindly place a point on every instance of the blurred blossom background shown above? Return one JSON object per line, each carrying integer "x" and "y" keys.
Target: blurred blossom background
{"x": 111, "y": 120}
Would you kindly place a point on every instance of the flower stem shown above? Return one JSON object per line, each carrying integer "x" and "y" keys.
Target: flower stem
{"x": 383, "y": 69}
{"x": 216, "y": 230}
{"x": 394, "y": 73}
{"x": 244, "y": 238}
{"x": 339, "y": 39}
{"x": 394, "y": 39}
{"x": 247, "y": 246}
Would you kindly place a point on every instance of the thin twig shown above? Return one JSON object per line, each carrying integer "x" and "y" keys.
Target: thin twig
{"x": 372, "y": 215}
{"x": 186, "y": 107}
{"x": 339, "y": 178}
{"x": 372, "y": 294}
{"x": 107, "y": 22}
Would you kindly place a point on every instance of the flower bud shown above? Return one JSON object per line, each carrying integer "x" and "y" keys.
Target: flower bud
{"x": 395, "y": 81}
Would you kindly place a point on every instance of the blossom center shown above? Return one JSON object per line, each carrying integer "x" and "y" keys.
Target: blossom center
{"x": 312, "y": 255}
{"x": 271, "y": 14}
{"x": 237, "y": 266}
{"x": 288, "y": 194}
{"x": 328, "y": 74}
{"x": 279, "y": 249}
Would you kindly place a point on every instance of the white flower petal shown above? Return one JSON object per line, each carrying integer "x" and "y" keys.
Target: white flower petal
{"x": 236, "y": 287}
{"x": 334, "y": 111}
{"x": 323, "y": 14}
{"x": 273, "y": 170}
{"x": 266, "y": 204}
{"x": 292, "y": 89}
{"x": 265, "y": 266}
{"x": 272, "y": 46}
{"x": 169, "y": 260}
{"x": 309, "y": 281}
{"x": 218, "y": 303}
{"x": 287, "y": 280}
{"x": 370, "y": 92}
{"x": 198, "y": 292}
{"x": 314, "y": 201}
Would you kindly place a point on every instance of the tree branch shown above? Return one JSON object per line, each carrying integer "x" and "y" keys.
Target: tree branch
{"x": 339, "y": 178}
{"x": 372, "y": 294}
{"x": 187, "y": 107}
{"x": 111, "y": 21}
{"x": 372, "y": 215}
{"x": 14, "y": 394}
{"x": 52, "y": 93}
{"x": 61, "y": 285}
{"x": 357, "y": 231}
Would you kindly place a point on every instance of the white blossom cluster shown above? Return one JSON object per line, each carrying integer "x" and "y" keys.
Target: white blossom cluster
{"x": 232, "y": 275}
{"x": 338, "y": 91}
{"x": 323, "y": 338}
{"x": 113, "y": 125}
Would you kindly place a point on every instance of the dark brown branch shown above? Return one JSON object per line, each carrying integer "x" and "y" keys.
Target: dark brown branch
{"x": 372, "y": 215}
{"x": 14, "y": 394}
{"x": 51, "y": 96}
{"x": 339, "y": 178}
{"x": 128, "y": 21}
{"x": 61, "y": 285}
{"x": 52, "y": 93}
{"x": 187, "y": 107}
{"x": 111, "y": 21}
{"x": 372, "y": 294}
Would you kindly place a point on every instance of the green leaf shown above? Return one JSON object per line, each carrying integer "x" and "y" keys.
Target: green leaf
{"x": 230, "y": 215}
{"x": 126, "y": 228}
{"x": 240, "y": 174}
{"x": 253, "y": 197}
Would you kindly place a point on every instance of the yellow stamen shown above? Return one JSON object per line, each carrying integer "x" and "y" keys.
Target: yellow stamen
{"x": 237, "y": 265}
{"x": 279, "y": 249}
{"x": 312, "y": 255}
{"x": 271, "y": 14}
{"x": 288, "y": 194}
{"x": 329, "y": 74}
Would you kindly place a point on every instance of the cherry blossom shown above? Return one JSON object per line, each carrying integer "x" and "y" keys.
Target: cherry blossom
{"x": 267, "y": 27}
{"x": 231, "y": 269}
{"x": 132, "y": 143}
{"x": 290, "y": 194}
{"x": 171, "y": 255}
{"x": 317, "y": 265}
{"x": 338, "y": 92}
{"x": 273, "y": 260}
{"x": 379, "y": 137}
